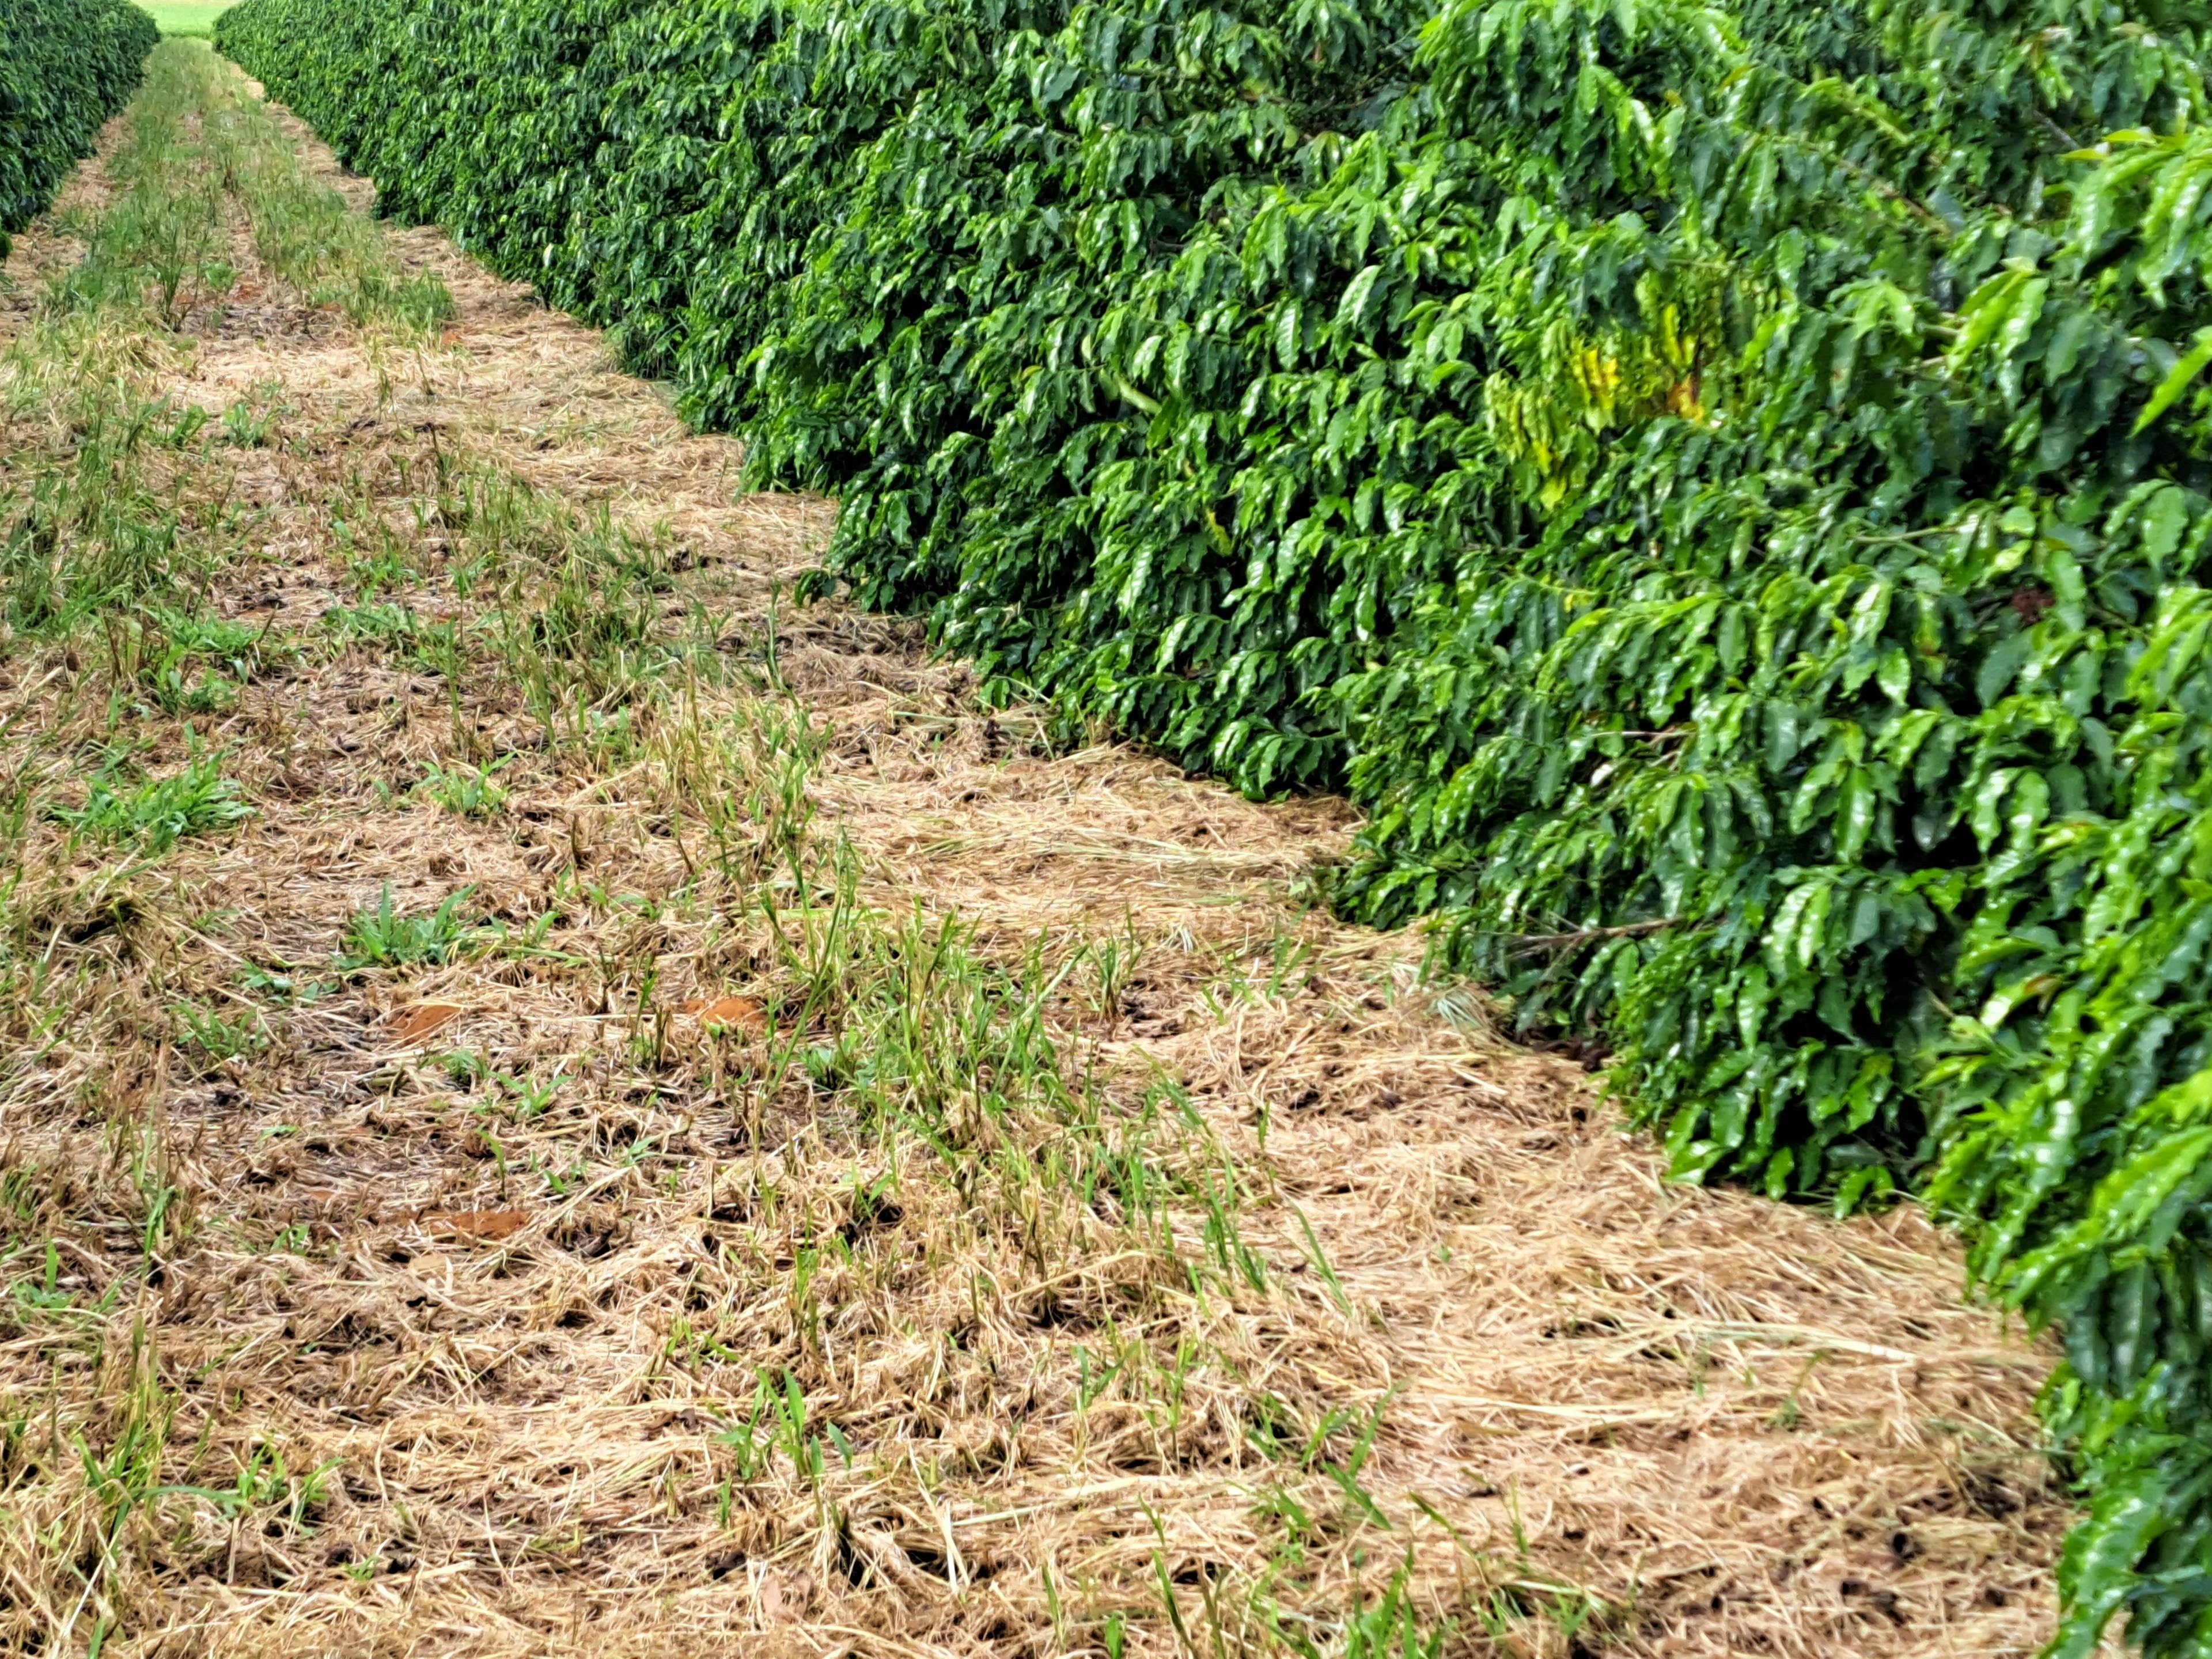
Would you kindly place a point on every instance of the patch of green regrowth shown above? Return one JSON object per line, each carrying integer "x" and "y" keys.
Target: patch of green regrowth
{"x": 469, "y": 792}
{"x": 389, "y": 568}
{"x": 581, "y": 631}
{"x": 304, "y": 232}
{"x": 247, "y": 427}
{"x": 217, "y": 1035}
{"x": 89, "y": 533}
{"x": 156, "y": 813}
{"x": 401, "y": 633}
{"x": 282, "y": 984}
{"x": 380, "y": 937}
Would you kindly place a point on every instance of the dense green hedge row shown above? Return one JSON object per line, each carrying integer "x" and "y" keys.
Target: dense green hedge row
{"x": 1729, "y": 486}
{"x": 65, "y": 66}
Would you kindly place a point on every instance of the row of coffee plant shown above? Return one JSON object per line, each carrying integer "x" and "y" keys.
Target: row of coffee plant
{"x": 1724, "y": 485}
{"x": 65, "y": 67}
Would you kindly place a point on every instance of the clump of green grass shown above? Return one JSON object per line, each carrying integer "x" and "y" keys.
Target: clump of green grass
{"x": 159, "y": 812}
{"x": 386, "y": 568}
{"x": 303, "y": 230}
{"x": 189, "y": 663}
{"x": 91, "y": 536}
{"x": 247, "y": 427}
{"x": 468, "y": 791}
{"x": 401, "y": 633}
{"x": 382, "y": 937}
{"x": 419, "y": 305}
{"x": 217, "y": 1036}
{"x": 378, "y": 623}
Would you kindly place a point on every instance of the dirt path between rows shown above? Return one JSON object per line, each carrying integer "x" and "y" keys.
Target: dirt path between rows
{"x": 1656, "y": 1420}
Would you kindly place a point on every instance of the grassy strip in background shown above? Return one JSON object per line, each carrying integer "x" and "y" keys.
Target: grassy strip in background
{"x": 185, "y": 19}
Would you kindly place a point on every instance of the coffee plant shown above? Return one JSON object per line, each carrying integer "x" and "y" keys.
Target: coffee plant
{"x": 1728, "y": 486}
{"x": 65, "y": 66}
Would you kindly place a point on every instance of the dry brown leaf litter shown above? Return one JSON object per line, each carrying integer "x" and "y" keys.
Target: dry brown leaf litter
{"x": 1744, "y": 1428}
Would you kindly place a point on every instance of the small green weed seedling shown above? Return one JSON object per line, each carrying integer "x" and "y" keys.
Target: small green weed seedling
{"x": 382, "y": 937}
{"x": 194, "y": 663}
{"x": 219, "y": 1038}
{"x": 246, "y": 428}
{"x": 282, "y": 984}
{"x": 161, "y": 812}
{"x": 265, "y": 1486}
{"x": 467, "y": 791}
{"x": 46, "y": 1296}
{"x": 525, "y": 1098}
{"x": 386, "y": 569}
{"x": 465, "y": 1070}
{"x": 379, "y": 623}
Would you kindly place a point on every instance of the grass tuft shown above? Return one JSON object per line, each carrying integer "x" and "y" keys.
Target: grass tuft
{"x": 158, "y": 812}
{"x": 381, "y": 938}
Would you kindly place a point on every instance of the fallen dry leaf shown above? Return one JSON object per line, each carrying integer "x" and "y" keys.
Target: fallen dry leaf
{"x": 728, "y": 1011}
{"x": 784, "y": 1596}
{"x": 413, "y": 1025}
{"x": 485, "y": 1224}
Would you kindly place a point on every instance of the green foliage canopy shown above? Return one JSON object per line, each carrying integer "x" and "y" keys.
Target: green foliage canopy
{"x": 1726, "y": 485}
{"x": 65, "y": 66}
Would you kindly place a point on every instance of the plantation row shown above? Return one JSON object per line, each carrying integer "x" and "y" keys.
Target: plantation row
{"x": 1725, "y": 486}
{"x": 65, "y": 66}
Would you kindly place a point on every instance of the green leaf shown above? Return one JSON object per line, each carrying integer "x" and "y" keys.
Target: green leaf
{"x": 2178, "y": 380}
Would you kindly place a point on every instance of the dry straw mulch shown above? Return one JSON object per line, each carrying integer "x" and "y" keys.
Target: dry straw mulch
{"x": 1562, "y": 1406}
